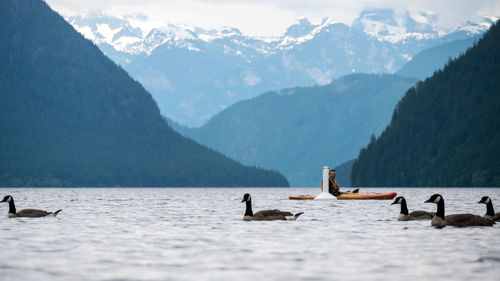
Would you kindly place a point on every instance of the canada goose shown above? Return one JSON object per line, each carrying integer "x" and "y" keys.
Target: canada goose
{"x": 490, "y": 212}
{"x": 415, "y": 215}
{"x": 265, "y": 215}
{"x": 460, "y": 220}
{"x": 26, "y": 212}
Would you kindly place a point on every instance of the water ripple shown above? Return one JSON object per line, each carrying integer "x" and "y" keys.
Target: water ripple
{"x": 198, "y": 234}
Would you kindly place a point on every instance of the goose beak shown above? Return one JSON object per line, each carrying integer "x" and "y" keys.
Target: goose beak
{"x": 395, "y": 202}
{"x": 480, "y": 201}
{"x": 428, "y": 201}
{"x": 243, "y": 200}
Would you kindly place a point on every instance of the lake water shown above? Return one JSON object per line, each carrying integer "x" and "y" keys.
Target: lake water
{"x": 198, "y": 234}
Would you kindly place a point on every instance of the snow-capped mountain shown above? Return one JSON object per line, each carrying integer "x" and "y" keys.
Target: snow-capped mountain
{"x": 104, "y": 29}
{"x": 194, "y": 73}
{"x": 387, "y": 25}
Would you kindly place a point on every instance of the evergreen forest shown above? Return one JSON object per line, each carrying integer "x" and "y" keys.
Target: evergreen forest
{"x": 445, "y": 131}
{"x": 299, "y": 130}
{"x": 71, "y": 117}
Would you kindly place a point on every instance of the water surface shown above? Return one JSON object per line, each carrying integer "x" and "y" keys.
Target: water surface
{"x": 198, "y": 234}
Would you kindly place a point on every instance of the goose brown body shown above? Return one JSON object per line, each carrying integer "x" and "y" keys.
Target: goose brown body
{"x": 30, "y": 213}
{"x": 490, "y": 212}
{"x": 265, "y": 215}
{"x": 404, "y": 215}
{"x": 458, "y": 220}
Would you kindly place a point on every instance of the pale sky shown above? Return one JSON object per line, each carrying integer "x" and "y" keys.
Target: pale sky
{"x": 272, "y": 17}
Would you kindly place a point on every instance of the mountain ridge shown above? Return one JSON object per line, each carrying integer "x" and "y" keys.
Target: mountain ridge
{"x": 88, "y": 25}
{"x": 425, "y": 63}
{"x": 299, "y": 130}
{"x": 194, "y": 73}
{"x": 444, "y": 132}
{"x": 71, "y": 117}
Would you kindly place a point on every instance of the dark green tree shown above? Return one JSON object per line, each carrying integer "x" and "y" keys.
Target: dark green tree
{"x": 71, "y": 117}
{"x": 444, "y": 132}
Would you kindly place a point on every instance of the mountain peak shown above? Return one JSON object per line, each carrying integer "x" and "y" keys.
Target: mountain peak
{"x": 300, "y": 28}
{"x": 474, "y": 28}
{"x": 103, "y": 28}
{"x": 385, "y": 16}
{"x": 232, "y": 66}
{"x": 95, "y": 126}
{"x": 394, "y": 26}
{"x": 386, "y": 25}
{"x": 227, "y": 31}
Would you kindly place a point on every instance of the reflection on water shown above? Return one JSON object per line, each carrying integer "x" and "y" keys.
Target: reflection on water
{"x": 198, "y": 234}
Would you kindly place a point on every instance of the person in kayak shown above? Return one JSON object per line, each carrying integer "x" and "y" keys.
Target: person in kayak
{"x": 333, "y": 186}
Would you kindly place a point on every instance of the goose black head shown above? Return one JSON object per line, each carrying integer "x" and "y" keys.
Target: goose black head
{"x": 398, "y": 200}
{"x": 7, "y": 198}
{"x": 485, "y": 200}
{"x": 246, "y": 198}
{"x": 436, "y": 198}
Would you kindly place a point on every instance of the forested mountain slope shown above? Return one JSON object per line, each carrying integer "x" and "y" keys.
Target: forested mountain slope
{"x": 444, "y": 132}
{"x": 71, "y": 117}
{"x": 425, "y": 63}
{"x": 298, "y": 131}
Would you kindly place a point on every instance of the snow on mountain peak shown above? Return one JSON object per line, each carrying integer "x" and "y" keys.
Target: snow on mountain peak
{"x": 300, "y": 28}
{"x": 228, "y": 65}
{"x": 303, "y": 31}
{"x": 395, "y": 26}
{"x": 386, "y": 25}
{"x": 229, "y": 31}
{"x": 102, "y": 28}
{"x": 473, "y": 28}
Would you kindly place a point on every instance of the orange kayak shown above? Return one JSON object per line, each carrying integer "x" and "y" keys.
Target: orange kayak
{"x": 351, "y": 196}
{"x": 367, "y": 196}
{"x": 301, "y": 197}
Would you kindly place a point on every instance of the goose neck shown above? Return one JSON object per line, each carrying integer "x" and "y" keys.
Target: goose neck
{"x": 248, "y": 211}
{"x": 12, "y": 207}
{"x": 404, "y": 208}
{"x": 440, "y": 209}
{"x": 489, "y": 209}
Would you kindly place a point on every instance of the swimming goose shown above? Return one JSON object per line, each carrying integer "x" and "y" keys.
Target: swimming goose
{"x": 265, "y": 215}
{"x": 490, "y": 212}
{"x": 415, "y": 215}
{"x": 26, "y": 212}
{"x": 460, "y": 220}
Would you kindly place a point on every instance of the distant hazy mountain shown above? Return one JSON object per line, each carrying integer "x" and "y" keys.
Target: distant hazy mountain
{"x": 72, "y": 117}
{"x": 298, "y": 131}
{"x": 344, "y": 173}
{"x": 194, "y": 73}
{"x": 425, "y": 63}
{"x": 444, "y": 132}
